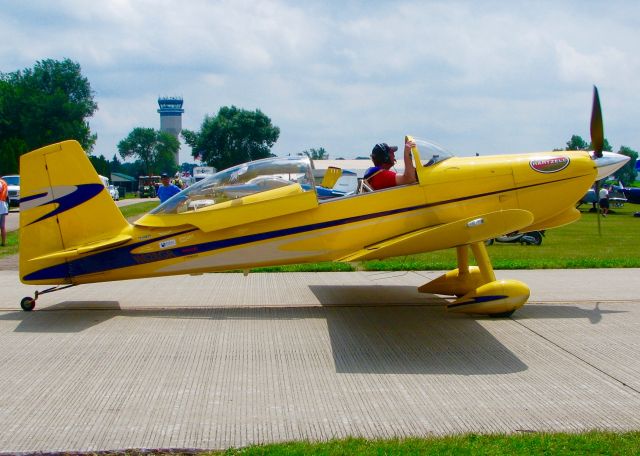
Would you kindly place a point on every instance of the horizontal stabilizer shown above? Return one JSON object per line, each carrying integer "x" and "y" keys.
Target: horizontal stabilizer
{"x": 448, "y": 235}
{"x": 87, "y": 248}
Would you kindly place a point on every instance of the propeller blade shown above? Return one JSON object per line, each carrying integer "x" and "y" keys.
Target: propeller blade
{"x": 597, "y": 129}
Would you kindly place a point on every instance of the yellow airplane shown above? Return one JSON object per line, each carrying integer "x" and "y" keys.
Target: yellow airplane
{"x": 267, "y": 212}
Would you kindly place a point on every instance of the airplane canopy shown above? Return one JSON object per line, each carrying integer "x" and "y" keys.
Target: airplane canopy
{"x": 240, "y": 181}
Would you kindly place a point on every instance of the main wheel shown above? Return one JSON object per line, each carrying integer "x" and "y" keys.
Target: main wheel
{"x": 536, "y": 237}
{"x": 27, "y": 304}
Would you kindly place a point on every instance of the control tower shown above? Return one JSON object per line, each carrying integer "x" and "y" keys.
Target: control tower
{"x": 171, "y": 117}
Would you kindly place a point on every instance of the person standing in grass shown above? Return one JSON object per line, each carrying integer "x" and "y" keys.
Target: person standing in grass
{"x": 603, "y": 199}
{"x": 4, "y": 209}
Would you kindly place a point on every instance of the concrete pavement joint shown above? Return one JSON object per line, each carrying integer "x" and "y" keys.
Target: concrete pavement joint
{"x": 579, "y": 358}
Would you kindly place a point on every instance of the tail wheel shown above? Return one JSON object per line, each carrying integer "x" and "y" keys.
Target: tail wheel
{"x": 27, "y": 304}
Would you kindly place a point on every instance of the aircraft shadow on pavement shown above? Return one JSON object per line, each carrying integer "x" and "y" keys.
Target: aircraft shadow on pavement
{"x": 542, "y": 311}
{"x": 381, "y": 339}
{"x": 389, "y": 334}
{"x": 51, "y": 320}
{"x": 383, "y": 330}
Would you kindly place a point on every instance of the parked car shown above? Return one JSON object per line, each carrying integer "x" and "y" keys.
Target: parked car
{"x": 113, "y": 191}
{"x": 13, "y": 184}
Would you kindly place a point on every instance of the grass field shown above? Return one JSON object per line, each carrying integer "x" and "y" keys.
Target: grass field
{"x": 577, "y": 245}
{"x": 138, "y": 209}
{"x": 590, "y": 443}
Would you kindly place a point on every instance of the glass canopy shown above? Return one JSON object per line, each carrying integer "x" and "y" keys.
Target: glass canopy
{"x": 240, "y": 181}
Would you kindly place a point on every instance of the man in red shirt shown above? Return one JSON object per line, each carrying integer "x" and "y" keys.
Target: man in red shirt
{"x": 383, "y": 156}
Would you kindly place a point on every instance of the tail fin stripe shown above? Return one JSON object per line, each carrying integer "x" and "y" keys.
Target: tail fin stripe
{"x": 27, "y": 199}
{"x": 81, "y": 194}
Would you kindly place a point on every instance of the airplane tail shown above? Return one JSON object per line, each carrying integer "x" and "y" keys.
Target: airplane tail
{"x": 65, "y": 210}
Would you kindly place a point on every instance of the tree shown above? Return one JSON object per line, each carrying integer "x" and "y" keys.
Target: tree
{"x": 577, "y": 143}
{"x": 48, "y": 103}
{"x": 627, "y": 174}
{"x": 233, "y": 136}
{"x": 316, "y": 154}
{"x": 133, "y": 169}
{"x": 115, "y": 165}
{"x": 101, "y": 164}
{"x": 155, "y": 149}
{"x": 167, "y": 147}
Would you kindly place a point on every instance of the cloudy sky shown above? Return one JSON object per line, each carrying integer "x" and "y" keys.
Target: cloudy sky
{"x": 473, "y": 76}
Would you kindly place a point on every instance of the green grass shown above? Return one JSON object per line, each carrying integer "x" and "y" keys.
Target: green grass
{"x": 138, "y": 208}
{"x": 11, "y": 248}
{"x": 590, "y": 443}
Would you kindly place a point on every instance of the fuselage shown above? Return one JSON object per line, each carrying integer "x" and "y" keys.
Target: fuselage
{"x": 297, "y": 228}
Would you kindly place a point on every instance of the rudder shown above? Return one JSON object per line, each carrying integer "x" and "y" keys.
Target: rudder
{"x": 64, "y": 206}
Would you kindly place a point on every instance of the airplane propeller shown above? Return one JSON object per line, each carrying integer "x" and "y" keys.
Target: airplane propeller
{"x": 597, "y": 129}
{"x": 597, "y": 142}
{"x": 606, "y": 162}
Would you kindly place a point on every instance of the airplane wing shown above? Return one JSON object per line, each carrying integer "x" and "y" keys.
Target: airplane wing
{"x": 447, "y": 235}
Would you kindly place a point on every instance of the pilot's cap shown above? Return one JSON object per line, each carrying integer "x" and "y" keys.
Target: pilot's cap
{"x": 381, "y": 151}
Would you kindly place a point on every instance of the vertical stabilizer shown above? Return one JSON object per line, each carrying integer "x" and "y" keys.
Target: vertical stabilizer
{"x": 64, "y": 207}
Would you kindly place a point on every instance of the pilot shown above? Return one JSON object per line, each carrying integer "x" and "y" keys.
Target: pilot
{"x": 383, "y": 156}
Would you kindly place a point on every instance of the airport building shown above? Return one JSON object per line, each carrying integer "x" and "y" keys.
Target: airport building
{"x": 170, "y": 110}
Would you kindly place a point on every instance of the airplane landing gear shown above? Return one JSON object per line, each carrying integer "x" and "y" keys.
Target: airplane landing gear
{"x": 477, "y": 289}
{"x": 28, "y": 303}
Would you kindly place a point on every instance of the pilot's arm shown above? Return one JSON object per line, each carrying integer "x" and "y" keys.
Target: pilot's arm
{"x": 409, "y": 176}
